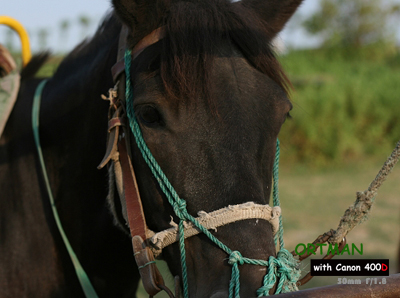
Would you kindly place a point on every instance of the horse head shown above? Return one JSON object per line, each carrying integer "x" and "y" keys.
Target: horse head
{"x": 210, "y": 99}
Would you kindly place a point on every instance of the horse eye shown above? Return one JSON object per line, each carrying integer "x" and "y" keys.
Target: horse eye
{"x": 149, "y": 115}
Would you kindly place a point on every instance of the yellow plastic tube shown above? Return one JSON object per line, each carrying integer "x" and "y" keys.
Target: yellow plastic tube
{"x": 23, "y": 35}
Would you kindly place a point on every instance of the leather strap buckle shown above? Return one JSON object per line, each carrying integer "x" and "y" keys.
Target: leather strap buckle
{"x": 151, "y": 276}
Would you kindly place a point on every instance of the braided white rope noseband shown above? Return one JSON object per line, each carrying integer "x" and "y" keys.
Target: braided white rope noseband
{"x": 213, "y": 220}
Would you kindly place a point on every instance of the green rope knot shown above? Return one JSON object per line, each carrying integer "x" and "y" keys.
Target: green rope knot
{"x": 180, "y": 209}
{"x": 235, "y": 257}
{"x": 283, "y": 268}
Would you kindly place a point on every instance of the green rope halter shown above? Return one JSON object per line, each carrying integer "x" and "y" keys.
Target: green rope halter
{"x": 284, "y": 266}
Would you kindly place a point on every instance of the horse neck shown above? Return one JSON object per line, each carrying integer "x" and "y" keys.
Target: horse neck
{"x": 73, "y": 131}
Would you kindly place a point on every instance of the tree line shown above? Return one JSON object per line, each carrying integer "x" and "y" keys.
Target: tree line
{"x": 337, "y": 23}
{"x": 41, "y": 36}
{"x": 355, "y": 23}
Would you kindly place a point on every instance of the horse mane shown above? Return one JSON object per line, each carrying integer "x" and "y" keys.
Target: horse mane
{"x": 109, "y": 28}
{"x": 34, "y": 65}
{"x": 194, "y": 31}
{"x": 105, "y": 37}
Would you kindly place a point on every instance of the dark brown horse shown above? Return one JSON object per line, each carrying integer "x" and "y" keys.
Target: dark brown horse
{"x": 210, "y": 98}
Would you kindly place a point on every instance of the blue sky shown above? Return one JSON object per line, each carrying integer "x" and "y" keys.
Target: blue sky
{"x": 48, "y": 14}
{"x": 38, "y": 14}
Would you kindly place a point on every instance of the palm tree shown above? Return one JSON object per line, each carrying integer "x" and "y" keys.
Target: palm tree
{"x": 85, "y": 23}
{"x": 43, "y": 34}
{"x": 64, "y": 29}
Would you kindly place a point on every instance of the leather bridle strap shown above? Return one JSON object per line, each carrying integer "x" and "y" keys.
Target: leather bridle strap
{"x": 134, "y": 208}
{"x": 136, "y": 218}
{"x": 119, "y": 67}
{"x": 151, "y": 277}
{"x": 118, "y": 151}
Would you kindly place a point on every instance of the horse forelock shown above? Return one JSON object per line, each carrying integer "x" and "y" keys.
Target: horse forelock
{"x": 195, "y": 32}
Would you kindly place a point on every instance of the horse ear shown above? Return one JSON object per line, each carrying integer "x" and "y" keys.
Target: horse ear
{"x": 141, "y": 16}
{"x": 275, "y": 13}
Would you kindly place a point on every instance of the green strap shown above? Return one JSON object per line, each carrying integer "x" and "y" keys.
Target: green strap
{"x": 81, "y": 274}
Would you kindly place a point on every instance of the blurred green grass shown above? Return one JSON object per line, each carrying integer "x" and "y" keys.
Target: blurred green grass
{"x": 346, "y": 105}
{"x": 313, "y": 201}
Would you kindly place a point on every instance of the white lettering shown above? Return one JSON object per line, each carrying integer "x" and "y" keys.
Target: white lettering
{"x": 324, "y": 267}
{"x": 353, "y": 268}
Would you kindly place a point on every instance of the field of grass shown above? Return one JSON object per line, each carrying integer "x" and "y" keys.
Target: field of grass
{"x": 346, "y": 105}
{"x": 345, "y": 123}
{"x": 314, "y": 201}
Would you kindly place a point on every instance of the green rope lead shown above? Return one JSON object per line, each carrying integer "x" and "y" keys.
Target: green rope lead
{"x": 284, "y": 266}
{"x": 275, "y": 195}
{"x": 80, "y": 272}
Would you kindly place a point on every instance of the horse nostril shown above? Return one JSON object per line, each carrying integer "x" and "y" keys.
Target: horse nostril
{"x": 220, "y": 294}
